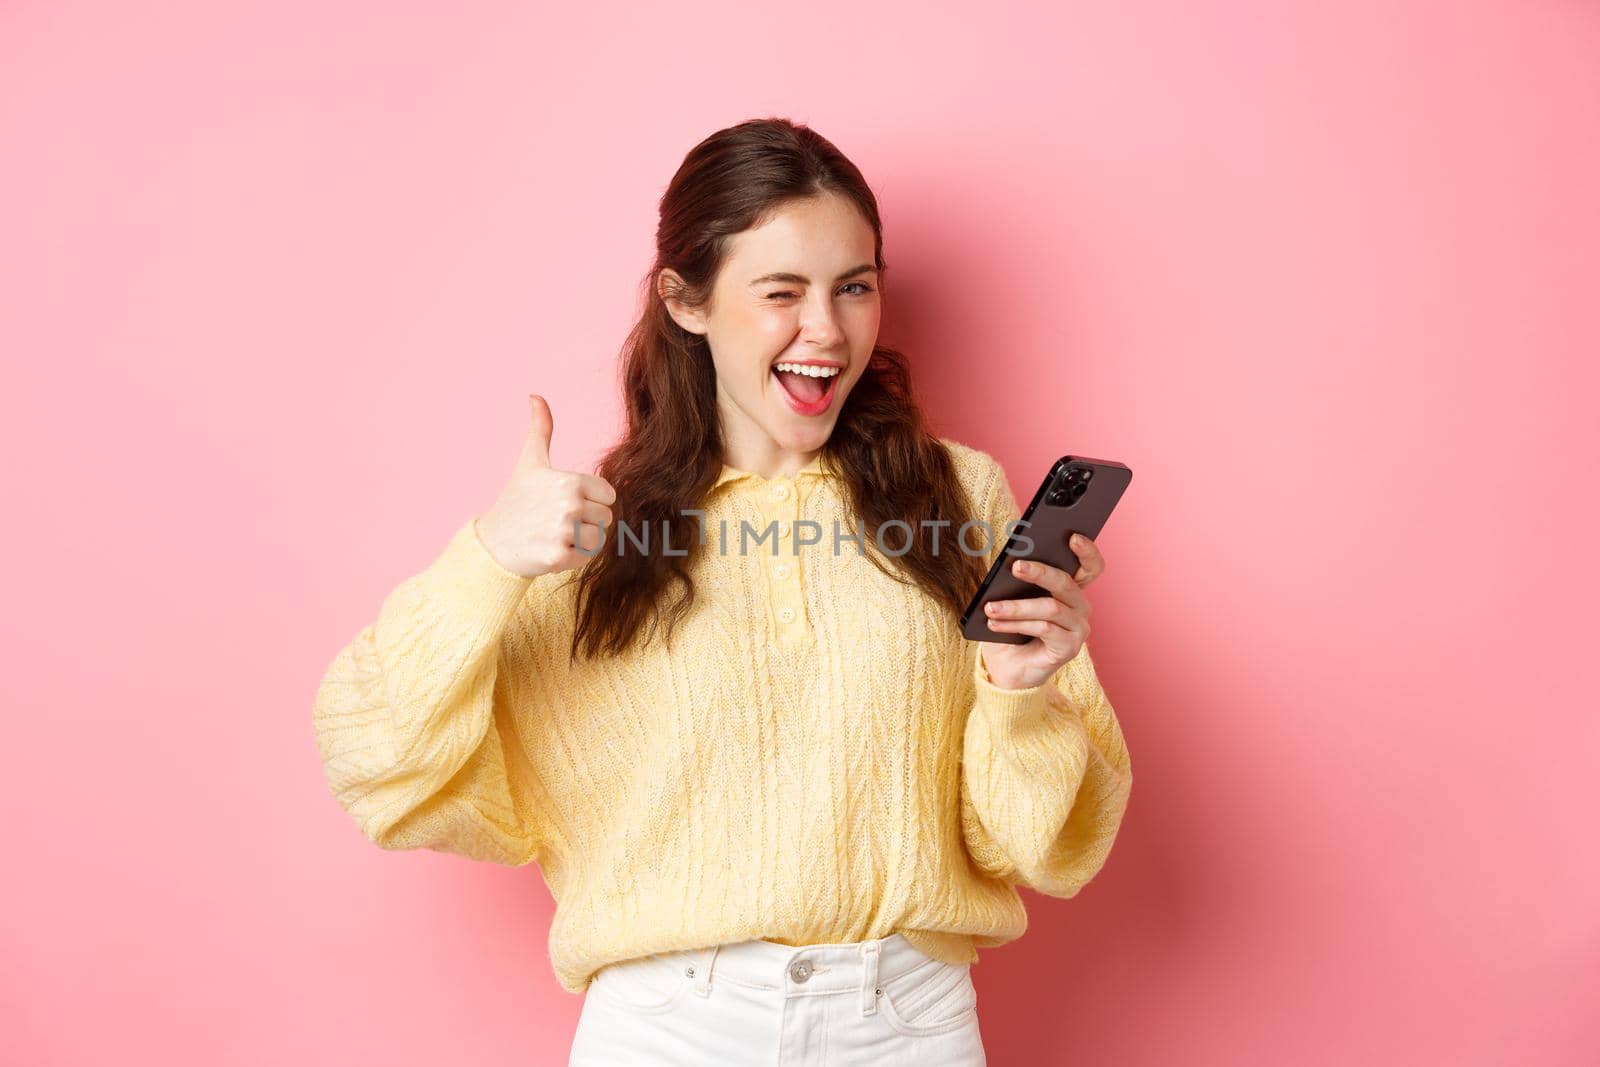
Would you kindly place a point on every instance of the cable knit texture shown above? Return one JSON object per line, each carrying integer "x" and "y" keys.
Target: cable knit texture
{"x": 819, "y": 757}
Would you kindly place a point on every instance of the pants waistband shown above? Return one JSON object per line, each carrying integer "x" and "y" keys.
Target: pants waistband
{"x": 803, "y": 970}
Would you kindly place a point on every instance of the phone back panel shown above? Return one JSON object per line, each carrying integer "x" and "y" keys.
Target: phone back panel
{"x": 1049, "y": 525}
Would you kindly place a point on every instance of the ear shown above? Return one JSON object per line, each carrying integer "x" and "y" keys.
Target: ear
{"x": 691, "y": 319}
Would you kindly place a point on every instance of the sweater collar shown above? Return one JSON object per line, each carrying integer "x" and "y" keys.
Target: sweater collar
{"x": 813, "y": 469}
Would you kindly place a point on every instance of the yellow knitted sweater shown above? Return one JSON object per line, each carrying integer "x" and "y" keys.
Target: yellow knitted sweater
{"x": 820, "y": 758}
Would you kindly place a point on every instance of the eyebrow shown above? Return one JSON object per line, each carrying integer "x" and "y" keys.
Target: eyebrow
{"x": 800, "y": 279}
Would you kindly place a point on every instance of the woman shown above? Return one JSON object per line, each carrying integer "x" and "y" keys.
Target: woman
{"x": 717, "y": 691}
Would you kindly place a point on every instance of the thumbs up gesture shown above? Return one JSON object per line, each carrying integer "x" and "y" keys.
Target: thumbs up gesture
{"x": 544, "y": 515}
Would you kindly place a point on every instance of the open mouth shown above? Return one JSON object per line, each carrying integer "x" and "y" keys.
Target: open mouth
{"x": 808, "y": 387}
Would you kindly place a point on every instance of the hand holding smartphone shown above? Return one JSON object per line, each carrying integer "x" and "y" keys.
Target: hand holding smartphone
{"x": 1077, "y": 496}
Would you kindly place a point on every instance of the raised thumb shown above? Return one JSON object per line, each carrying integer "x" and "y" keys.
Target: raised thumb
{"x": 537, "y": 450}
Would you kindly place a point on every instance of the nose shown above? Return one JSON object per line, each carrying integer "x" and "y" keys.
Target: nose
{"x": 819, "y": 324}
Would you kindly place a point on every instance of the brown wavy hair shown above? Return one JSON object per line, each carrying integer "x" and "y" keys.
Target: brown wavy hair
{"x": 671, "y": 448}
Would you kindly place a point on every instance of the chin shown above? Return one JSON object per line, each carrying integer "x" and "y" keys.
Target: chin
{"x": 808, "y": 438}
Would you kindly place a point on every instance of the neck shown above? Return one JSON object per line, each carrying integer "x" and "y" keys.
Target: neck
{"x": 748, "y": 447}
{"x": 776, "y": 462}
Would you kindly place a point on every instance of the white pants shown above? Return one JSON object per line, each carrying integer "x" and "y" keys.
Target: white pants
{"x": 762, "y": 1004}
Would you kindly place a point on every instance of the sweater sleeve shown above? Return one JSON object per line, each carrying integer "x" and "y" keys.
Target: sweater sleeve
{"x": 1045, "y": 773}
{"x": 413, "y": 732}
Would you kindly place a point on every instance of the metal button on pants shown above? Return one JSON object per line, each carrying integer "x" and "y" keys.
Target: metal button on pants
{"x": 881, "y": 1002}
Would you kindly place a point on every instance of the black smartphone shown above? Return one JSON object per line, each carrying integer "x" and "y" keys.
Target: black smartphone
{"x": 1077, "y": 496}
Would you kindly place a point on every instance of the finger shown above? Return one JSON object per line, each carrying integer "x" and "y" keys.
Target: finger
{"x": 1053, "y": 580}
{"x": 590, "y": 538}
{"x": 1032, "y": 607}
{"x": 594, "y": 513}
{"x": 1019, "y": 626}
{"x": 585, "y": 536}
{"x": 536, "y": 451}
{"x": 596, "y": 488}
{"x": 1091, "y": 564}
{"x": 1058, "y": 639}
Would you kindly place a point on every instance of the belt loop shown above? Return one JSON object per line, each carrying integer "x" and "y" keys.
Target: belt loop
{"x": 702, "y": 973}
{"x": 869, "y": 975}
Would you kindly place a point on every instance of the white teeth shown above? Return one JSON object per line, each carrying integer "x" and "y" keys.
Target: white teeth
{"x": 809, "y": 372}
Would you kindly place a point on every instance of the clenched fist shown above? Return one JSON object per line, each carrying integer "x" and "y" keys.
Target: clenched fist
{"x": 544, "y": 515}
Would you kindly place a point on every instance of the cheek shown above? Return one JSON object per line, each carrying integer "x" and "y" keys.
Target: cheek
{"x": 862, "y": 312}
{"x": 759, "y": 328}
{"x": 774, "y": 325}
{"x": 862, "y": 326}
{"x": 750, "y": 342}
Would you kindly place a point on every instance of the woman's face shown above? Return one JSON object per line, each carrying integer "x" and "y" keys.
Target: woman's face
{"x": 799, "y": 289}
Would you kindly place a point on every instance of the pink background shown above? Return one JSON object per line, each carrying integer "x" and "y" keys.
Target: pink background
{"x": 275, "y": 280}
